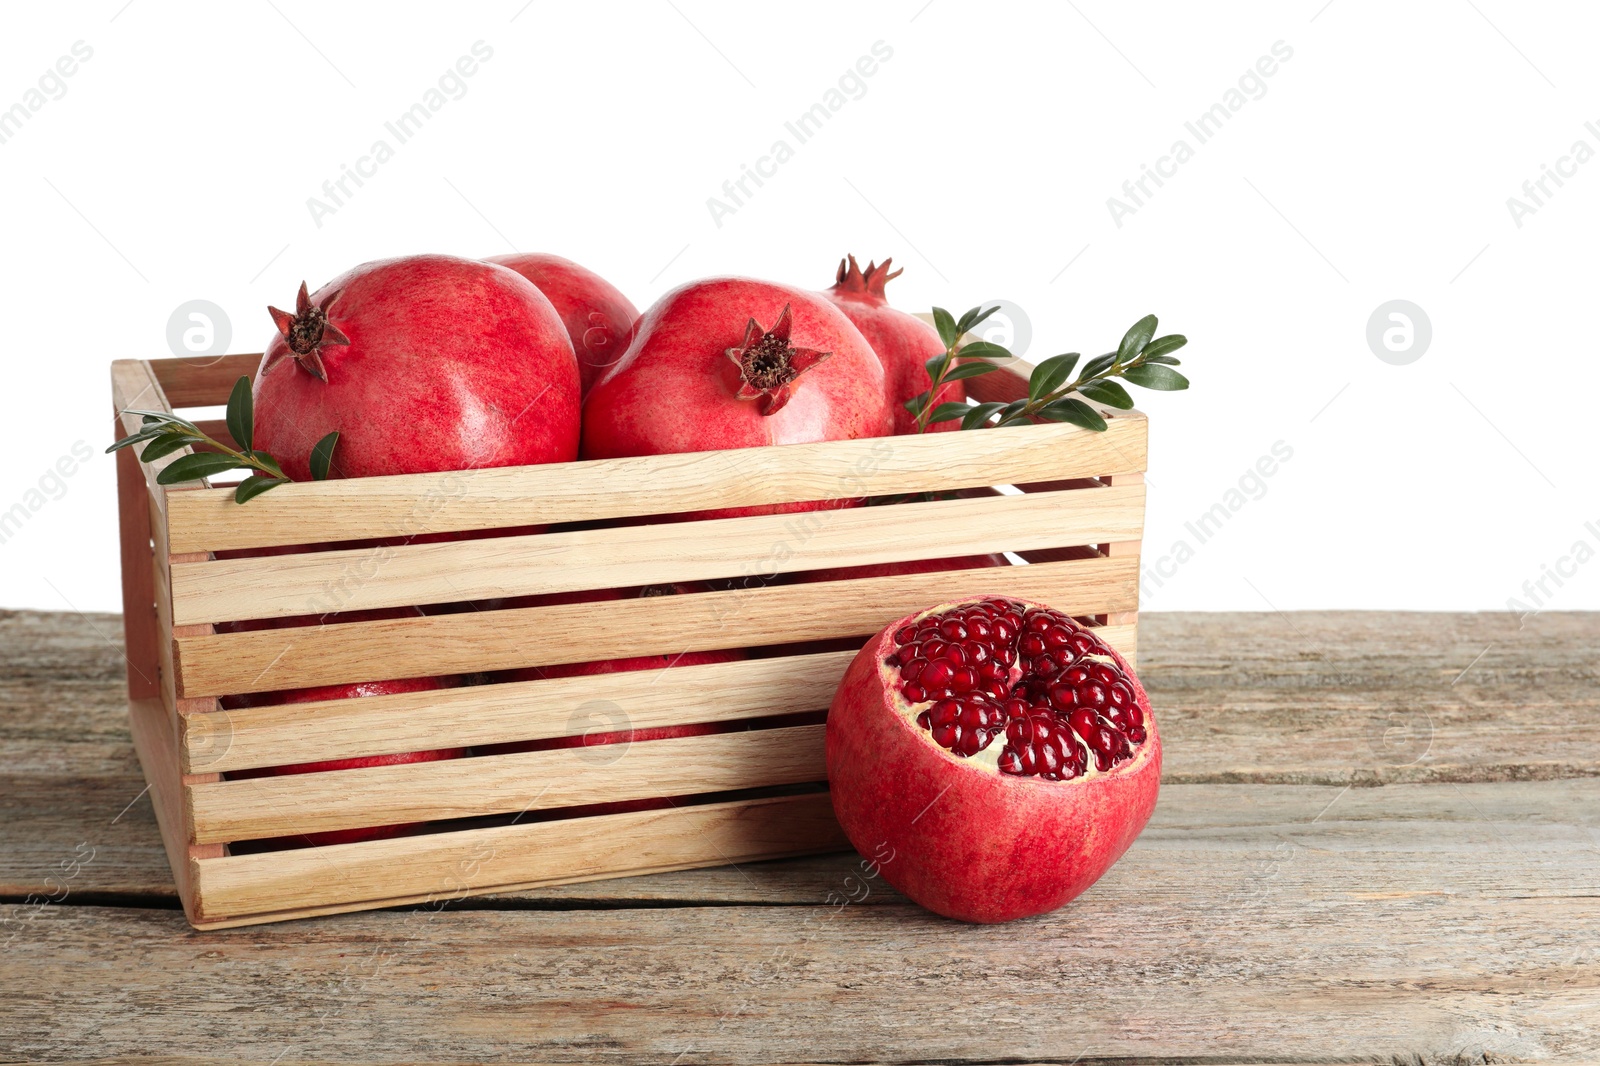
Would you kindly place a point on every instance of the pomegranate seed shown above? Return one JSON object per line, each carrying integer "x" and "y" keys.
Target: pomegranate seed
{"x": 1053, "y": 717}
{"x": 936, "y": 675}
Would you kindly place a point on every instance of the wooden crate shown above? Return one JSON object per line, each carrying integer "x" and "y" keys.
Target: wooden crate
{"x": 737, "y": 796}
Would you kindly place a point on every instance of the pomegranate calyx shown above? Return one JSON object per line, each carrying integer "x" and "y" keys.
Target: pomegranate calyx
{"x": 768, "y": 364}
{"x": 307, "y": 332}
{"x": 866, "y": 283}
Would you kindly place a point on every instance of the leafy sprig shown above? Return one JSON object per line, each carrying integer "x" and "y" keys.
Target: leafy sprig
{"x": 943, "y": 368}
{"x": 1141, "y": 358}
{"x": 163, "y": 433}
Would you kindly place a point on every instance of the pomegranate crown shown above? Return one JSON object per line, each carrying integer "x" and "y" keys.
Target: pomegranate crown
{"x": 307, "y": 332}
{"x": 768, "y": 364}
{"x": 869, "y": 282}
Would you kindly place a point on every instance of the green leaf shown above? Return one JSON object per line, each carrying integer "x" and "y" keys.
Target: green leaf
{"x": 1167, "y": 359}
{"x": 1163, "y": 345}
{"x": 947, "y": 411}
{"x": 983, "y": 350}
{"x": 916, "y": 403}
{"x": 969, "y": 370}
{"x": 1136, "y": 338}
{"x": 980, "y": 415}
{"x": 1097, "y": 366}
{"x": 946, "y": 327}
{"x": 1109, "y": 393}
{"x": 1074, "y": 411}
{"x": 153, "y": 417}
{"x": 1156, "y": 376}
{"x": 198, "y": 465}
{"x": 266, "y": 460}
{"x": 241, "y": 416}
{"x": 164, "y": 445}
{"x": 144, "y": 434}
{"x": 1051, "y": 374}
{"x": 972, "y": 318}
{"x": 1011, "y": 410}
{"x": 937, "y": 365}
{"x": 255, "y": 485}
{"x": 322, "y": 456}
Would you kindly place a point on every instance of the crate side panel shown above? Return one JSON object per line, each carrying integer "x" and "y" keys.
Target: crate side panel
{"x": 414, "y": 574}
{"x": 503, "y": 784}
{"x": 442, "y": 645}
{"x": 414, "y": 504}
{"x": 450, "y": 865}
{"x": 291, "y": 733}
{"x": 203, "y": 382}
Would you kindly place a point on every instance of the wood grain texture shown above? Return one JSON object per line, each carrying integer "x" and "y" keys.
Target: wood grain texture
{"x": 285, "y": 734}
{"x": 652, "y": 485}
{"x": 202, "y": 382}
{"x": 1235, "y": 693}
{"x": 391, "y": 576}
{"x": 1247, "y": 923}
{"x": 1374, "y": 697}
{"x": 271, "y": 660}
{"x": 504, "y": 784}
{"x": 438, "y": 869}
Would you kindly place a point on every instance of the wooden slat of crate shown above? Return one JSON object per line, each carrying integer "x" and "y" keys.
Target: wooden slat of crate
{"x": 359, "y": 579}
{"x": 504, "y": 784}
{"x": 245, "y": 889}
{"x": 292, "y": 733}
{"x": 202, "y": 382}
{"x": 661, "y": 484}
{"x": 271, "y": 660}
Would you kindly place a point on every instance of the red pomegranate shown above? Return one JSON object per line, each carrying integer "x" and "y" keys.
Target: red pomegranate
{"x": 903, "y": 342}
{"x": 1002, "y": 754}
{"x": 737, "y": 363}
{"x": 422, "y": 363}
{"x": 335, "y": 692}
{"x": 599, "y": 319}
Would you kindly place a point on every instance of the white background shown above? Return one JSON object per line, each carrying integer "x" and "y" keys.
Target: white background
{"x": 1377, "y": 166}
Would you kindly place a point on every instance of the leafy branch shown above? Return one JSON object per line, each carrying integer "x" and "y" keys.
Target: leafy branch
{"x": 163, "y": 433}
{"x": 1142, "y": 358}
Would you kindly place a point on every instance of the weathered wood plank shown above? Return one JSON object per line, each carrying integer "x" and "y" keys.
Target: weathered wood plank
{"x": 1244, "y": 713}
{"x": 1412, "y": 922}
{"x": 1374, "y": 696}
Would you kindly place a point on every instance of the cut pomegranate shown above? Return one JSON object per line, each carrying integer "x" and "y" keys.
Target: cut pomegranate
{"x": 1003, "y": 751}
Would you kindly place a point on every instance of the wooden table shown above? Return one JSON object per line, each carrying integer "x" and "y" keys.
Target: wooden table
{"x": 1379, "y": 839}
